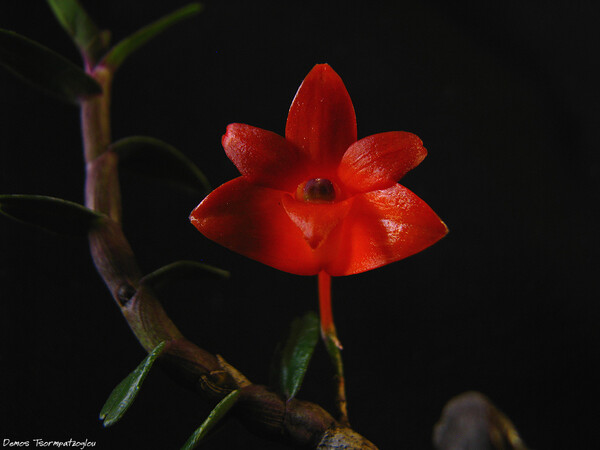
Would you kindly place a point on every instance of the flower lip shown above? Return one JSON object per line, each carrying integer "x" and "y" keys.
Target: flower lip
{"x": 316, "y": 190}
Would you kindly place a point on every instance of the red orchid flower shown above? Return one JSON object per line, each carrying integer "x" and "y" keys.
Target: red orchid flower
{"x": 318, "y": 200}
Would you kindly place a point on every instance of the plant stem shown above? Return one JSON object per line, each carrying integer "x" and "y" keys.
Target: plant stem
{"x": 333, "y": 345}
{"x": 110, "y": 249}
{"x": 95, "y": 116}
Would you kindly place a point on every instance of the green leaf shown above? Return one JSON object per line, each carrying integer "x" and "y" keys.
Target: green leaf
{"x": 153, "y": 157}
{"x": 52, "y": 214}
{"x": 45, "y": 69}
{"x": 296, "y": 353}
{"x": 127, "y": 46}
{"x": 182, "y": 270}
{"x": 213, "y": 418}
{"x": 124, "y": 394}
{"x": 91, "y": 42}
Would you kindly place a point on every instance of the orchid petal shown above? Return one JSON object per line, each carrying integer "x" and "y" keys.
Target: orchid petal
{"x": 316, "y": 221}
{"x": 380, "y": 160}
{"x": 263, "y": 157}
{"x": 385, "y": 226}
{"x": 321, "y": 120}
{"x": 250, "y": 220}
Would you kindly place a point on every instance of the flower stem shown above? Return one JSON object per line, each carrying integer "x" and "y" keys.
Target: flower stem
{"x": 332, "y": 344}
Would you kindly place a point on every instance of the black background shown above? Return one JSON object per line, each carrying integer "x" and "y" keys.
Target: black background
{"x": 503, "y": 95}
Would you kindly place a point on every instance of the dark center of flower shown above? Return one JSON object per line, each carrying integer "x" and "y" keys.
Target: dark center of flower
{"x": 317, "y": 190}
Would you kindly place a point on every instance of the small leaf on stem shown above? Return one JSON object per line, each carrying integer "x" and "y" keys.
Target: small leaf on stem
{"x": 52, "y": 214}
{"x": 91, "y": 42}
{"x": 182, "y": 270}
{"x": 155, "y": 158}
{"x": 127, "y": 46}
{"x": 213, "y": 418}
{"x": 125, "y": 393}
{"x": 45, "y": 69}
{"x": 296, "y": 353}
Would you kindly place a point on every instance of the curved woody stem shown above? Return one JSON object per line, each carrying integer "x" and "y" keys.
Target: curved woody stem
{"x": 294, "y": 422}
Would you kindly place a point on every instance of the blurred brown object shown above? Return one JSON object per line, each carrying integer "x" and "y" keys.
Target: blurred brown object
{"x": 470, "y": 421}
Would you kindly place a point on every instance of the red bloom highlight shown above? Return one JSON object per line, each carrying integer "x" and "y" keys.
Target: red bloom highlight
{"x": 318, "y": 199}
